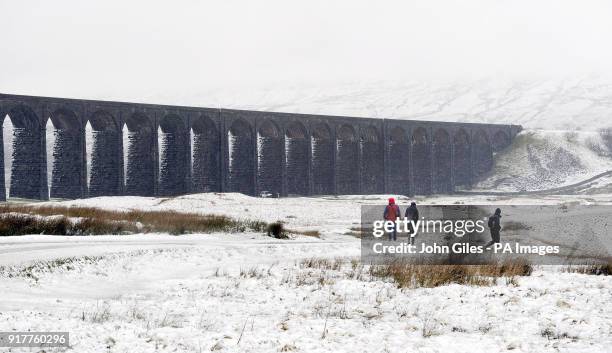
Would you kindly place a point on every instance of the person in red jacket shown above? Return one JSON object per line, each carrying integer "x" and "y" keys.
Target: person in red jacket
{"x": 392, "y": 213}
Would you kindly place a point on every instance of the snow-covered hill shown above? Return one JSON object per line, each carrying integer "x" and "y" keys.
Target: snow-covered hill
{"x": 544, "y": 159}
{"x": 583, "y": 103}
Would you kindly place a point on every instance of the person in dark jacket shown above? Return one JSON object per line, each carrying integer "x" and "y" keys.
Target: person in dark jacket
{"x": 412, "y": 214}
{"x": 392, "y": 213}
{"x": 494, "y": 227}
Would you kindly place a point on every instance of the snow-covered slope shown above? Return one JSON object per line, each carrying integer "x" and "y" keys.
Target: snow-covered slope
{"x": 574, "y": 103}
{"x": 583, "y": 103}
{"x": 540, "y": 159}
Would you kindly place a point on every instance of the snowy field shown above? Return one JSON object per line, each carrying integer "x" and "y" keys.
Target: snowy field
{"x": 251, "y": 293}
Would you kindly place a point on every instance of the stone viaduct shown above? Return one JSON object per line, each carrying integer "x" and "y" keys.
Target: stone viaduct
{"x": 173, "y": 150}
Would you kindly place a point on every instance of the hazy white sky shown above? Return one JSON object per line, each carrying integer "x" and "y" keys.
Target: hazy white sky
{"x": 95, "y": 48}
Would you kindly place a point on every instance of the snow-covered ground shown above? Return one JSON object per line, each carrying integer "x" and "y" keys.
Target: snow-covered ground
{"x": 543, "y": 159}
{"x": 250, "y": 293}
{"x": 250, "y": 297}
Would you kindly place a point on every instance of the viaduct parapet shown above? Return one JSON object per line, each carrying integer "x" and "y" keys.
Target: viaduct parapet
{"x": 174, "y": 150}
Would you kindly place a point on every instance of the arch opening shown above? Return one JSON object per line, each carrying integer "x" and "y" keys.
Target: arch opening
{"x": 500, "y": 141}
{"x": 483, "y": 154}
{"x": 139, "y": 155}
{"x": 173, "y": 155}
{"x": 270, "y": 154}
{"x": 399, "y": 155}
{"x": 205, "y": 161}
{"x": 297, "y": 155}
{"x": 241, "y": 158}
{"x": 461, "y": 159}
{"x": 322, "y": 148}
{"x": 347, "y": 170}
{"x": 371, "y": 161}
{"x": 25, "y": 156}
{"x": 65, "y": 155}
{"x": 442, "y": 162}
{"x": 421, "y": 161}
{"x": 104, "y": 167}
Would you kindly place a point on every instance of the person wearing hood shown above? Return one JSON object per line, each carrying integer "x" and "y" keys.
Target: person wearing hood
{"x": 412, "y": 215}
{"x": 392, "y": 213}
{"x": 495, "y": 227}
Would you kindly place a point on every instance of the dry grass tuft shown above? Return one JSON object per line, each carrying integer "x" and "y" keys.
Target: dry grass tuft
{"x": 356, "y": 232}
{"x": 411, "y": 275}
{"x": 323, "y": 263}
{"x": 21, "y": 224}
{"x": 408, "y": 275}
{"x": 308, "y": 233}
{"x": 16, "y": 224}
{"x": 22, "y": 220}
{"x": 96, "y": 226}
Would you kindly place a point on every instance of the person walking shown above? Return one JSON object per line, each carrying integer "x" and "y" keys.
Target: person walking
{"x": 412, "y": 215}
{"x": 392, "y": 213}
{"x": 495, "y": 227}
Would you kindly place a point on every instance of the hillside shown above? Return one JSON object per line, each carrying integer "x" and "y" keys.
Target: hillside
{"x": 540, "y": 159}
{"x": 583, "y": 103}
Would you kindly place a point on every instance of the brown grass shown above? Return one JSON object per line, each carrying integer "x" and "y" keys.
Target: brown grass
{"x": 15, "y": 224}
{"x": 21, "y": 224}
{"x": 408, "y": 275}
{"x": 96, "y": 226}
{"x": 308, "y": 233}
{"x": 98, "y": 221}
{"x": 356, "y": 232}
{"x": 323, "y": 263}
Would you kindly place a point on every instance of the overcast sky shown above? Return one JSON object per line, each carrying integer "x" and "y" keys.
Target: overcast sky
{"x": 91, "y": 49}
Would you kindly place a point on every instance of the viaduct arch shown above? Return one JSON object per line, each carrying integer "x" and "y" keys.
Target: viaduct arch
{"x": 105, "y": 176}
{"x": 206, "y": 155}
{"x": 148, "y": 150}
